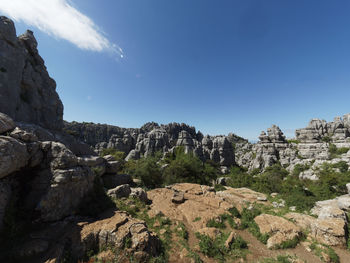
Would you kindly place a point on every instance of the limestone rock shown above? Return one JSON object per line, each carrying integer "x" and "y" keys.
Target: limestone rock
{"x": 178, "y": 198}
{"x": 6, "y": 123}
{"x": 329, "y": 231}
{"x": 114, "y": 231}
{"x": 25, "y": 81}
{"x": 139, "y": 193}
{"x": 13, "y": 155}
{"x": 301, "y": 220}
{"x": 280, "y": 229}
{"x": 120, "y": 191}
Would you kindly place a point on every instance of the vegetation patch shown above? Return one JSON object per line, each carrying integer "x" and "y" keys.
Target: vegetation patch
{"x": 336, "y": 152}
{"x": 280, "y": 259}
{"x": 325, "y": 253}
{"x": 215, "y": 248}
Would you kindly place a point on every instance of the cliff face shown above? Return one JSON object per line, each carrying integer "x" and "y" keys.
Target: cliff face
{"x": 27, "y": 93}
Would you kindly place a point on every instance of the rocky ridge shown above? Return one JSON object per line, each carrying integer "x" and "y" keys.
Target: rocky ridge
{"x": 152, "y": 138}
{"x": 314, "y": 145}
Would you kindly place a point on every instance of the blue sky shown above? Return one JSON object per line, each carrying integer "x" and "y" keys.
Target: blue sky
{"x": 221, "y": 66}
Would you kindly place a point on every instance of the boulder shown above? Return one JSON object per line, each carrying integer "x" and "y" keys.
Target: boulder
{"x": 279, "y": 229}
{"x": 327, "y": 212}
{"x": 65, "y": 190}
{"x": 23, "y": 135}
{"x": 301, "y": 220}
{"x": 140, "y": 194}
{"x": 120, "y": 191}
{"x": 178, "y": 198}
{"x": 113, "y": 232}
{"x": 348, "y": 188}
{"x": 6, "y": 123}
{"x": 329, "y": 231}
{"x": 13, "y": 155}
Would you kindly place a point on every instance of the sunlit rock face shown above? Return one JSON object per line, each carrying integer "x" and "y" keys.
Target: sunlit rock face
{"x": 27, "y": 93}
{"x": 311, "y": 147}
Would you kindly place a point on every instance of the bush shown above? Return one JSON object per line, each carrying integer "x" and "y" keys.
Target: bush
{"x": 271, "y": 180}
{"x": 215, "y": 248}
{"x": 146, "y": 169}
{"x": 189, "y": 169}
{"x": 119, "y": 156}
{"x": 240, "y": 178}
{"x": 335, "y": 152}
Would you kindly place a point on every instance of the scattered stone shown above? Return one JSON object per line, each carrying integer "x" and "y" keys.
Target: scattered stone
{"x": 140, "y": 194}
{"x": 262, "y": 198}
{"x": 178, "y": 198}
{"x": 293, "y": 208}
{"x": 120, "y": 191}
{"x": 273, "y": 195}
{"x": 231, "y": 238}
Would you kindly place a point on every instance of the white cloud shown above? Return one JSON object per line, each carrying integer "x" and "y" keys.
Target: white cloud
{"x": 60, "y": 19}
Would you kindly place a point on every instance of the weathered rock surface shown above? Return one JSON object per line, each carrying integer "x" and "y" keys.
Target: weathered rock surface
{"x": 199, "y": 205}
{"x": 25, "y": 81}
{"x": 279, "y": 229}
{"x": 152, "y": 138}
{"x": 114, "y": 232}
{"x": 310, "y": 148}
{"x": 120, "y": 191}
{"x": 329, "y": 231}
{"x": 6, "y": 123}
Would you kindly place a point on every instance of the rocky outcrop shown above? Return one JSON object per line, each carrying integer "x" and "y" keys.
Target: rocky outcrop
{"x": 114, "y": 232}
{"x": 28, "y": 93}
{"x": 311, "y": 147}
{"x": 152, "y": 138}
{"x": 55, "y": 183}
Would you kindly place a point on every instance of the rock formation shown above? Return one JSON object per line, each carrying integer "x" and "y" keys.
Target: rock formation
{"x": 152, "y": 138}
{"x": 311, "y": 147}
{"x": 25, "y": 82}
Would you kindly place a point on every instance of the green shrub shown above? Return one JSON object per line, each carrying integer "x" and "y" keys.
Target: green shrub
{"x": 119, "y": 156}
{"x": 293, "y": 141}
{"x": 342, "y": 166}
{"x": 326, "y": 139}
{"x": 146, "y": 169}
{"x": 240, "y": 178}
{"x": 335, "y": 152}
{"x": 289, "y": 243}
{"x": 219, "y": 187}
{"x": 298, "y": 168}
{"x": 271, "y": 180}
{"x": 188, "y": 168}
{"x": 215, "y": 248}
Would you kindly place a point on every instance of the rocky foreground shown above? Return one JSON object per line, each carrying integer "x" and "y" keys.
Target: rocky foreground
{"x": 60, "y": 201}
